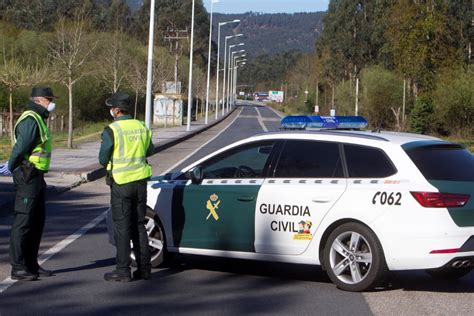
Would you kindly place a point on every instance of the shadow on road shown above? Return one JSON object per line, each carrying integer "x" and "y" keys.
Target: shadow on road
{"x": 420, "y": 281}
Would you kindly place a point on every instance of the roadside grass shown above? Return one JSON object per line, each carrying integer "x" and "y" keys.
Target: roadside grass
{"x": 86, "y": 133}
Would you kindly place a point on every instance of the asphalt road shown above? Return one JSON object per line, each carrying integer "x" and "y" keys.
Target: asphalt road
{"x": 193, "y": 284}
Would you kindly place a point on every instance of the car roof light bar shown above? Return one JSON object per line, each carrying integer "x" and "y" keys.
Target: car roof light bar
{"x": 323, "y": 122}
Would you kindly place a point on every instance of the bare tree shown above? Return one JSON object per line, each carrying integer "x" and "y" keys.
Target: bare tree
{"x": 110, "y": 65}
{"x": 136, "y": 78}
{"x": 163, "y": 68}
{"x": 14, "y": 75}
{"x": 69, "y": 53}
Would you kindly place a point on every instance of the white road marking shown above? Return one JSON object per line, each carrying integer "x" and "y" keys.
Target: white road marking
{"x": 195, "y": 151}
{"x": 45, "y": 256}
{"x": 275, "y": 111}
{"x": 260, "y": 120}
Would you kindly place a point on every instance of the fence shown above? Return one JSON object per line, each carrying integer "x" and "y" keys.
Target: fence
{"x": 55, "y": 123}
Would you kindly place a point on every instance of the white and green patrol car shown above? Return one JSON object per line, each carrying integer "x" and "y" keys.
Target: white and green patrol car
{"x": 359, "y": 203}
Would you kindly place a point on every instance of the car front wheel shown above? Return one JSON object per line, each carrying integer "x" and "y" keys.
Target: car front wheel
{"x": 353, "y": 258}
{"x": 156, "y": 239}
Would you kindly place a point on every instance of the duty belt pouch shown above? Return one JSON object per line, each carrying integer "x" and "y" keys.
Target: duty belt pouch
{"x": 28, "y": 170}
{"x": 108, "y": 178}
{"x": 108, "y": 175}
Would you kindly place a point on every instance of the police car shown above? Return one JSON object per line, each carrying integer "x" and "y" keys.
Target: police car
{"x": 358, "y": 203}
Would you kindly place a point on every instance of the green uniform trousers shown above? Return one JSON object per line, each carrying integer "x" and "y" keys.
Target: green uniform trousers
{"x": 128, "y": 213}
{"x": 28, "y": 220}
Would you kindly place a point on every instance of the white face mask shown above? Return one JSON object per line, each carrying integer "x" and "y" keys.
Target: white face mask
{"x": 51, "y": 107}
{"x": 112, "y": 113}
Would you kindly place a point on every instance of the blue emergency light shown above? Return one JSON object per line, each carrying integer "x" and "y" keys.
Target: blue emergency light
{"x": 323, "y": 122}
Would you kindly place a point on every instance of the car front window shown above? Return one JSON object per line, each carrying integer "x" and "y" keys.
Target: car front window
{"x": 246, "y": 161}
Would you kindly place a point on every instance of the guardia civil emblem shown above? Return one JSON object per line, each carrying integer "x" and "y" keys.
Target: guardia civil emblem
{"x": 212, "y": 206}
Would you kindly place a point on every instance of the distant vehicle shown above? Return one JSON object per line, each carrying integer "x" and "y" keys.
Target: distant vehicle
{"x": 358, "y": 203}
{"x": 261, "y": 96}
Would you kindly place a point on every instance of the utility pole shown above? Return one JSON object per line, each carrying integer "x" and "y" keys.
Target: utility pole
{"x": 174, "y": 37}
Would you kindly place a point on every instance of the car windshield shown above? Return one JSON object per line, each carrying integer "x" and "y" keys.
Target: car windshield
{"x": 443, "y": 162}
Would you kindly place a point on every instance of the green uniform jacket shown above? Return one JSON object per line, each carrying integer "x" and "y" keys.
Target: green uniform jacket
{"x": 107, "y": 146}
{"x": 27, "y": 136}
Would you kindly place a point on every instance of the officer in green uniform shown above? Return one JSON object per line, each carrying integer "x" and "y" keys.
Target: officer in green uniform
{"x": 29, "y": 161}
{"x": 125, "y": 145}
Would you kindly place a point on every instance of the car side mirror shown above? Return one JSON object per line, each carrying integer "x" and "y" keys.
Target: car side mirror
{"x": 196, "y": 175}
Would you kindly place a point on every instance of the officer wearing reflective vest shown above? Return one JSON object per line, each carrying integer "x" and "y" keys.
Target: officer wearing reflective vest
{"x": 29, "y": 161}
{"x": 125, "y": 145}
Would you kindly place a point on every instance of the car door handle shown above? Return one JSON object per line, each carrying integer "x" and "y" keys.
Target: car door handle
{"x": 245, "y": 198}
{"x": 322, "y": 199}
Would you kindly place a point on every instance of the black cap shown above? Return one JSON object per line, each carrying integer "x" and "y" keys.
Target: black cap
{"x": 119, "y": 100}
{"x": 45, "y": 92}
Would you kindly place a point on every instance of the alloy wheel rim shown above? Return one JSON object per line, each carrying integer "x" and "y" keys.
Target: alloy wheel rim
{"x": 350, "y": 257}
{"x": 155, "y": 238}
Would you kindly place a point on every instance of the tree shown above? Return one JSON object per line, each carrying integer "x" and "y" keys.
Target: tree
{"x": 420, "y": 40}
{"x": 422, "y": 114}
{"x": 163, "y": 68}
{"x": 453, "y": 102}
{"x": 69, "y": 53}
{"x": 136, "y": 75}
{"x": 14, "y": 74}
{"x": 381, "y": 97}
{"x": 111, "y": 61}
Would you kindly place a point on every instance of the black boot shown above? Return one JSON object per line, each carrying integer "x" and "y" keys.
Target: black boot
{"x": 40, "y": 272}
{"x": 117, "y": 276}
{"x": 23, "y": 275}
{"x": 141, "y": 275}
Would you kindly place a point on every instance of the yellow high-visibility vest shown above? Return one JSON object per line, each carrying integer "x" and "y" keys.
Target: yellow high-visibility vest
{"x": 131, "y": 141}
{"x": 41, "y": 155}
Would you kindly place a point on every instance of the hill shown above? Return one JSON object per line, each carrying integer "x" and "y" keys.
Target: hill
{"x": 274, "y": 33}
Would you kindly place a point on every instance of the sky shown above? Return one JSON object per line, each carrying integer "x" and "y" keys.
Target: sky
{"x": 267, "y": 6}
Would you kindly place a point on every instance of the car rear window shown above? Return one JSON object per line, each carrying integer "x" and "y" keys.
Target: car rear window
{"x": 448, "y": 162}
{"x": 367, "y": 162}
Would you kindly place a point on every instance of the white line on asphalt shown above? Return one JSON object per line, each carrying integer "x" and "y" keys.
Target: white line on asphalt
{"x": 45, "y": 256}
{"x": 260, "y": 120}
{"x": 191, "y": 154}
{"x": 275, "y": 111}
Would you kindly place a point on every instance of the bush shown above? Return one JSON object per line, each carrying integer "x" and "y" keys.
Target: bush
{"x": 454, "y": 104}
{"x": 421, "y": 115}
{"x": 382, "y": 91}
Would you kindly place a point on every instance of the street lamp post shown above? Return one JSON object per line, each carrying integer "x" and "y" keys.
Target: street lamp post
{"x": 190, "y": 84}
{"x": 209, "y": 62}
{"x": 150, "y": 65}
{"x": 238, "y": 64}
{"x": 225, "y": 68}
{"x": 218, "y": 60}
{"x": 227, "y": 84}
{"x": 231, "y": 68}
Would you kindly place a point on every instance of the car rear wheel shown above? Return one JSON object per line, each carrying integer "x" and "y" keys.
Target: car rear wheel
{"x": 353, "y": 258}
{"x": 449, "y": 273}
{"x": 156, "y": 239}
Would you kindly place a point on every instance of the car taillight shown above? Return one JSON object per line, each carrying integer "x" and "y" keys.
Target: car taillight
{"x": 435, "y": 199}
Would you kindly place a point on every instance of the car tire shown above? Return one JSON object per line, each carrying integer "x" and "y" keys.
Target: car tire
{"x": 353, "y": 258}
{"x": 156, "y": 240}
{"x": 449, "y": 273}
